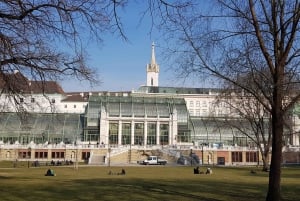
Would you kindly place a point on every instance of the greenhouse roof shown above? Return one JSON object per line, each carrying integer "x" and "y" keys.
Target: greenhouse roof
{"x": 39, "y": 124}
{"x": 176, "y": 90}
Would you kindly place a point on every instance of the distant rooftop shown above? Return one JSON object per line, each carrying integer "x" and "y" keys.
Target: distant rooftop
{"x": 18, "y": 83}
{"x": 176, "y": 90}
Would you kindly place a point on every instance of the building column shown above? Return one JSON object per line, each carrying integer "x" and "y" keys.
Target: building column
{"x": 295, "y": 139}
{"x": 120, "y": 133}
{"x": 170, "y": 132}
{"x": 157, "y": 132}
{"x": 104, "y": 127}
{"x": 132, "y": 132}
{"x": 244, "y": 158}
{"x": 104, "y": 132}
{"x": 174, "y": 124}
{"x": 145, "y": 132}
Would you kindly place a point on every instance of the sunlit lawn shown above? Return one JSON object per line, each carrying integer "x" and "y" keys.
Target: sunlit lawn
{"x": 142, "y": 183}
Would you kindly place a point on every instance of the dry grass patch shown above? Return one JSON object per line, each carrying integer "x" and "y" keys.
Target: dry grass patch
{"x": 141, "y": 183}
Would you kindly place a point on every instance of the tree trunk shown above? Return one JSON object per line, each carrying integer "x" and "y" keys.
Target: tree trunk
{"x": 264, "y": 151}
{"x": 265, "y": 159}
{"x": 274, "y": 191}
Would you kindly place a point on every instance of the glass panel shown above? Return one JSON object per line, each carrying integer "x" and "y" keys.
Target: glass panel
{"x": 138, "y": 109}
{"x": 113, "y": 132}
{"x": 139, "y": 133}
{"x": 151, "y": 133}
{"x": 164, "y": 134}
{"x": 126, "y": 109}
{"x": 126, "y": 133}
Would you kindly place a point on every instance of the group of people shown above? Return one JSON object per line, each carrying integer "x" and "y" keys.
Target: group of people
{"x": 57, "y": 163}
{"x": 197, "y": 171}
{"x": 119, "y": 173}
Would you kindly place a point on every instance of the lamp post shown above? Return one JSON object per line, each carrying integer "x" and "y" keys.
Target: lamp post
{"x": 28, "y": 156}
{"x": 130, "y": 153}
{"x": 75, "y": 148}
{"x": 191, "y": 155}
{"x": 109, "y": 149}
{"x": 76, "y": 156}
{"x": 202, "y": 154}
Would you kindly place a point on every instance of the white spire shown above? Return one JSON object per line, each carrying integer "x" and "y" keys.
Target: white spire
{"x": 153, "y": 54}
{"x": 152, "y": 70}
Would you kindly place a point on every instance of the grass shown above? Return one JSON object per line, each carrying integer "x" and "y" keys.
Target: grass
{"x": 145, "y": 183}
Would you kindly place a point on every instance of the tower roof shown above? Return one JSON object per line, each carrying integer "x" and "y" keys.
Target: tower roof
{"x": 153, "y": 66}
{"x": 153, "y": 54}
{"x": 152, "y": 70}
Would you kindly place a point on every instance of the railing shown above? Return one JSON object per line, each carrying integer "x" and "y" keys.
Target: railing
{"x": 116, "y": 148}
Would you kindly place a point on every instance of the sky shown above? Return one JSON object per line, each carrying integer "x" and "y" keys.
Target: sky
{"x": 121, "y": 65}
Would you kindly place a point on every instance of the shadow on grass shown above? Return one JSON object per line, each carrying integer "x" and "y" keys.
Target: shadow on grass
{"x": 134, "y": 189}
{"x": 145, "y": 183}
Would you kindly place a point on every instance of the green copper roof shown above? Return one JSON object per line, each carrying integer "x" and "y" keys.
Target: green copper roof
{"x": 175, "y": 90}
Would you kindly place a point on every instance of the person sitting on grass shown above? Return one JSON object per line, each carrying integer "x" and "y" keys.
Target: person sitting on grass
{"x": 50, "y": 173}
{"x": 196, "y": 170}
{"x": 209, "y": 171}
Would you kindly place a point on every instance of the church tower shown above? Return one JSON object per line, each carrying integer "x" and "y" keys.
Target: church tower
{"x": 152, "y": 70}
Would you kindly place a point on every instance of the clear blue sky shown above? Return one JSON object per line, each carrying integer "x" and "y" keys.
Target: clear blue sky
{"x": 122, "y": 65}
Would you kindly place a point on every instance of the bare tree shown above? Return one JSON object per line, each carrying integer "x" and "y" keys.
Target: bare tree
{"x": 227, "y": 39}
{"x": 46, "y": 40}
{"x": 248, "y": 116}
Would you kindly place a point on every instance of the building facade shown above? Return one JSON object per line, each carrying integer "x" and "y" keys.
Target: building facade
{"x": 151, "y": 115}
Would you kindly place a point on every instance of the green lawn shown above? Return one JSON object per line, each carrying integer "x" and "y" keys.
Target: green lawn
{"x": 141, "y": 183}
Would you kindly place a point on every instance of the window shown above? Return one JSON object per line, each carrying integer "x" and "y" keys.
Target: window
{"x": 126, "y": 128}
{"x": 164, "y": 134}
{"x": 21, "y": 100}
{"x": 113, "y": 132}
{"x": 74, "y": 106}
{"x": 53, "y": 100}
{"x": 197, "y": 103}
{"x": 113, "y": 128}
{"x": 41, "y": 154}
{"x": 92, "y": 135}
{"x": 32, "y": 100}
{"x": 237, "y": 156}
{"x": 183, "y": 134}
{"x": 251, "y": 156}
{"x": 58, "y": 154}
{"x": 85, "y": 155}
{"x": 191, "y": 104}
{"x": 126, "y": 133}
{"x": 66, "y": 106}
{"x": 139, "y": 133}
{"x": 25, "y": 154}
{"x": 151, "y": 135}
